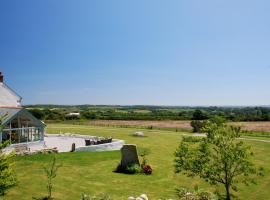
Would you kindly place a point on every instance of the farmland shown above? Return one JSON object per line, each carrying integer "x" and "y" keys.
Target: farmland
{"x": 165, "y": 124}
{"x": 93, "y": 172}
{"x": 253, "y": 126}
{"x": 257, "y": 126}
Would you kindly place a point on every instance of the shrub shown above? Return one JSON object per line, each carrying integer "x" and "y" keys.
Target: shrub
{"x": 7, "y": 174}
{"x": 196, "y": 194}
{"x": 197, "y": 125}
{"x": 143, "y": 153}
{"x": 99, "y": 197}
{"x": 38, "y": 113}
{"x": 133, "y": 169}
{"x": 192, "y": 139}
{"x": 217, "y": 120}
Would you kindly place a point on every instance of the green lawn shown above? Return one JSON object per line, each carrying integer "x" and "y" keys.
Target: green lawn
{"x": 93, "y": 172}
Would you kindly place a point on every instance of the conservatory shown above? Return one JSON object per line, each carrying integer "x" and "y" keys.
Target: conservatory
{"x": 17, "y": 124}
{"x": 20, "y": 126}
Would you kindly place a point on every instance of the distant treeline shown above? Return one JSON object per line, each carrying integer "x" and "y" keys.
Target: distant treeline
{"x": 87, "y": 112}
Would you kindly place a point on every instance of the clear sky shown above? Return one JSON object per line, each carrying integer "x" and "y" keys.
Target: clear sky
{"x": 158, "y": 52}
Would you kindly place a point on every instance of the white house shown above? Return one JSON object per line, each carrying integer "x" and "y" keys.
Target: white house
{"x": 19, "y": 125}
{"x": 8, "y": 98}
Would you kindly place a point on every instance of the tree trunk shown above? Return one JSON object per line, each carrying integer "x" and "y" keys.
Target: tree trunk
{"x": 228, "y": 196}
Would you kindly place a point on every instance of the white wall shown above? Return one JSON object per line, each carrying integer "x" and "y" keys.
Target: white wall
{"x": 8, "y": 98}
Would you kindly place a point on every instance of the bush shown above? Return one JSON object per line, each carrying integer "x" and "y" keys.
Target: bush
{"x": 192, "y": 139}
{"x": 197, "y": 125}
{"x": 217, "y": 120}
{"x": 131, "y": 169}
{"x": 37, "y": 113}
{"x": 99, "y": 197}
{"x": 7, "y": 174}
{"x": 134, "y": 169}
{"x": 196, "y": 194}
{"x": 143, "y": 153}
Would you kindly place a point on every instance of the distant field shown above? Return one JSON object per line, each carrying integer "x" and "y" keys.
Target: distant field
{"x": 170, "y": 124}
{"x": 177, "y": 124}
{"x": 253, "y": 126}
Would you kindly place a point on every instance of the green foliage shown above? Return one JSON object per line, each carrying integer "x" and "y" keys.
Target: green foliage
{"x": 7, "y": 174}
{"x": 196, "y": 194}
{"x": 131, "y": 169}
{"x": 143, "y": 153}
{"x": 134, "y": 169}
{"x": 51, "y": 172}
{"x": 39, "y": 114}
{"x": 98, "y": 197}
{"x": 197, "y": 125}
{"x": 219, "y": 120}
{"x": 89, "y": 112}
{"x": 218, "y": 158}
{"x": 82, "y": 169}
{"x": 89, "y": 115}
{"x": 199, "y": 115}
{"x": 191, "y": 139}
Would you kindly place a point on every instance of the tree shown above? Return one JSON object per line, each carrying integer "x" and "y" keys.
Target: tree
{"x": 38, "y": 113}
{"x": 198, "y": 121}
{"x": 218, "y": 158}
{"x": 199, "y": 115}
{"x": 197, "y": 125}
{"x": 216, "y": 119}
{"x": 7, "y": 174}
{"x": 51, "y": 172}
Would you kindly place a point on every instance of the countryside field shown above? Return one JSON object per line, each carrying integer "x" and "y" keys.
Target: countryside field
{"x": 169, "y": 124}
{"x": 258, "y": 126}
{"x": 93, "y": 172}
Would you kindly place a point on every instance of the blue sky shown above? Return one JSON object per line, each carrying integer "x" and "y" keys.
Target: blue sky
{"x": 152, "y": 52}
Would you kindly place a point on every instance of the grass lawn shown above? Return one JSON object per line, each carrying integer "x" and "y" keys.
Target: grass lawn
{"x": 93, "y": 172}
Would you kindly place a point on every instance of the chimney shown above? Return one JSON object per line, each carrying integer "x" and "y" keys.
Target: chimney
{"x": 1, "y": 77}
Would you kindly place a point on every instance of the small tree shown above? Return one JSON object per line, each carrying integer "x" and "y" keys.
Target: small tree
{"x": 197, "y": 125}
{"x": 7, "y": 174}
{"x": 218, "y": 158}
{"x": 51, "y": 172}
{"x": 199, "y": 115}
{"x": 198, "y": 120}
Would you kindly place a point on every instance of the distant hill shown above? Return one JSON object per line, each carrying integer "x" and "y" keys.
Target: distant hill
{"x": 149, "y": 112}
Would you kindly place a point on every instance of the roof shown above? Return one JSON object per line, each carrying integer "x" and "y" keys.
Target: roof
{"x": 10, "y": 113}
{"x": 9, "y": 98}
{"x": 7, "y": 113}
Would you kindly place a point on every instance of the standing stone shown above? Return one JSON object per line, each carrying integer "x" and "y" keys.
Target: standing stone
{"x": 73, "y": 147}
{"x": 129, "y": 155}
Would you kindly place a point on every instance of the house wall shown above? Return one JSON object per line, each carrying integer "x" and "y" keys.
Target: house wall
{"x": 8, "y": 97}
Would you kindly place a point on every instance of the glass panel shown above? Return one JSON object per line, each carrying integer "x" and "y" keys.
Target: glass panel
{"x": 21, "y": 135}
